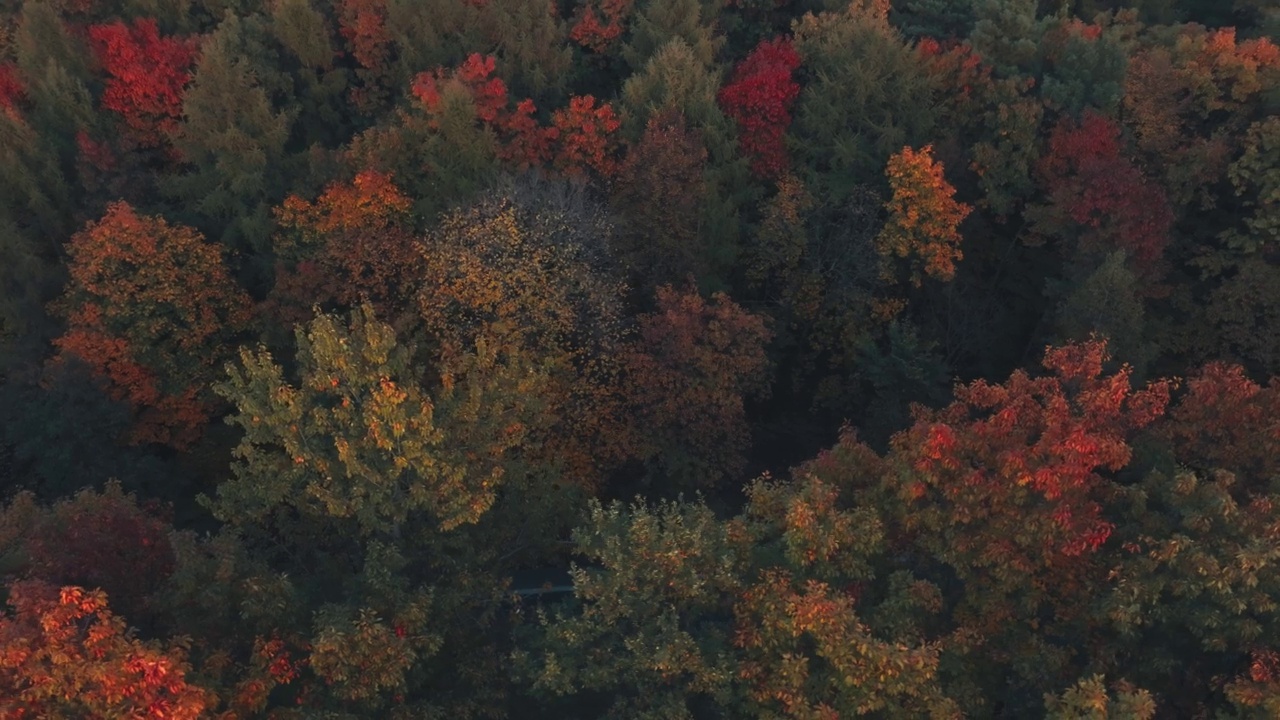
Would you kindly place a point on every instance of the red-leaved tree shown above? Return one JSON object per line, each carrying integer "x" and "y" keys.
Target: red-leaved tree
{"x": 600, "y": 23}
{"x": 581, "y": 138}
{"x": 688, "y": 377}
{"x": 63, "y": 653}
{"x": 1097, "y": 195}
{"x": 146, "y": 77}
{"x": 12, "y": 91}
{"x": 151, "y": 308}
{"x": 759, "y": 97}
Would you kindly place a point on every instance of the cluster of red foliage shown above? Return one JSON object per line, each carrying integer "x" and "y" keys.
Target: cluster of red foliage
{"x": 586, "y": 137}
{"x": 1100, "y": 190}
{"x": 1050, "y": 435}
{"x": 958, "y": 64}
{"x": 1228, "y": 421}
{"x": 147, "y": 76}
{"x": 759, "y": 97}
{"x": 588, "y": 30}
{"x": 102, "y": 541}
{"x": 689, "y": 375}
{"x": 63, "y": 653}
{"x": 12, "y": 90}
{"x": 581, "y": 137}
{"x": 363, "y": 24}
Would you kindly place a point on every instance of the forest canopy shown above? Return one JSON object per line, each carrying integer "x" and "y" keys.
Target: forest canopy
{"x": 639, "y": 359}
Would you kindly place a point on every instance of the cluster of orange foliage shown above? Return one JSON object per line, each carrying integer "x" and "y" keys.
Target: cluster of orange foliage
{"x": 581, "y": 137}
{"x": 63, "y": 653}
{"x": 353, "y": 243}
{"x": 924, "y": 217}
{"x": 148, "y": 307}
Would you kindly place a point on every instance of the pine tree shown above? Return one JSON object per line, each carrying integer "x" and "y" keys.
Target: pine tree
{"x": 676, "y": 80}
{"x": 869, "y": 95}
{"x": 658, "y": 22}
{"x": 233, "y": 136}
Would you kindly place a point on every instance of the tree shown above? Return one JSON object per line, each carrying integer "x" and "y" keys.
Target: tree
{"x": 1085, "y": 66}
{"x": 584, "y": 132}
{"x": 1004, "y": 486}
{"x": 674, "y": 79}
{"x": 147, "y": 77}
{"x": 150, "y": 307}
{"x": 659, "y": 21}
{"x": 358, "y": 237}
{"x": 1108, "y": 302}
{"x": 98, "y": 540}
{"x": 1227, "y": 421}
{"x": 658, "y": 192}
{"x": 363, "y": 25}
{"x": 233, "y": 136}
{"x": 523, "y": 270}
{"x": 442, "y": 149}
{"x": 870, "y": 94}
{"x": 680, "y": 614}
{"x": 1090, "y": 698}
{"x": 1192, "y": 594}
{"x": 942, "y": 19}
{"x": 688, "y": 375}
{"x": 388, "y": 450}
{"x": 924, "y": 218}
{"x": 759, "y": 98}
{"x": 65, "y": 654}
{"x": 599, "y": 23}
{"x": 1097, "y": 200}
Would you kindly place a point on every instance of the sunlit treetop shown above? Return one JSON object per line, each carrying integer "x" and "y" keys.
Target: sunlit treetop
{"x": 924, "y": 217}
{"x": 63, "y": 653}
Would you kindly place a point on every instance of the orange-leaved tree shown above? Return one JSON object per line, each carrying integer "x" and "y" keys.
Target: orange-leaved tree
{"x": 151, "y": 308}
{"x": 63, "y": 653}
{"x": 924, "y": 217}
{"x": 528, "y": 278}
{"x": 353, "y": 242}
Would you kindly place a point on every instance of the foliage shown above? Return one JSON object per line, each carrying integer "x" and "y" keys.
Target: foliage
{"x": 149, "y": 307}
{"x": 388, "y": 449}
{"x": 923, "y": 216}
{"x": 1098, "y": 198}
{"x": 658, "y": 192}
{"x": 356, "y": 237}
{"x": 521, "y": 271}
{"x": 688, "y": 375}
{"x": 147, "y": 77}
{"x": 65, "y": 654}
{"x": 759, "y": 97}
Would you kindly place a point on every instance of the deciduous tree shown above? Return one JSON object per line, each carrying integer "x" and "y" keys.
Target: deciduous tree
{"x": 688, "y": 376}
{"x": 64, "y": 653}
{"x": 150, "y": 306}
{"x": 924, "y": 217}
{"x": 759, "y": 97}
